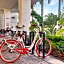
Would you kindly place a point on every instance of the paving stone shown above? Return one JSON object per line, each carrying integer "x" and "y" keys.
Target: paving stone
{"x": 27, "y": 59}
{"x": 31, "y": 59}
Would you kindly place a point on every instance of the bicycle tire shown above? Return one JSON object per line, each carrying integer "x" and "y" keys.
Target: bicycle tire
{"x": 2, "y": 36}
{"x": 37, "y": 43}
{"x": 7, "y": 60}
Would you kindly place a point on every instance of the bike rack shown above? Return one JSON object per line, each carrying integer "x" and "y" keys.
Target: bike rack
{"x": 43, "y": 43}
{"x": 31, "y": 34}
{"x": 25, "y": 37}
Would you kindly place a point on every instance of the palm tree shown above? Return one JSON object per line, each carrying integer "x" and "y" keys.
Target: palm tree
{"x": 59, "y": 8}
{"x": 42, "y": 3}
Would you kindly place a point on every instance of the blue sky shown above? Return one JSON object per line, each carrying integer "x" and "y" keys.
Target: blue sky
{"x": 48, "y": 8}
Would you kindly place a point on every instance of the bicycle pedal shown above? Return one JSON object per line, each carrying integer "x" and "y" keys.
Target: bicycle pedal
{"x": 11, "y": 51}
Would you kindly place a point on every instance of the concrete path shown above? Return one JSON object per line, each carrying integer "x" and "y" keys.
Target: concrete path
{"x": 53, "y": 60}
{"x": 31, "y": 59}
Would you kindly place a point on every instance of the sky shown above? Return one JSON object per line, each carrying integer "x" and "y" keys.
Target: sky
{"x": 48, "y": 8}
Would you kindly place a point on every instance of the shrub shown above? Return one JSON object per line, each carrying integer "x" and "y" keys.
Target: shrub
{"x": 55, "y": 38}
{"x": 57, "y": 43}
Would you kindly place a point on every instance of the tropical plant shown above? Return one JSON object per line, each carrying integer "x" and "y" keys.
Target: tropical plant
{"x": 41, "y": 18}
{"x": 55, "y": 38}
{"x": 58, "y": 46}
{"x": 32, "y": 27}
{"x": 36, "y": 19}
{"x": 47, "y": 32}
{"x": 60, "y": 32}
{"x": 61, "y": 21}
{"x": 50, "y": 31}
{"x": 57, "y": 43}
{"x": 50, "y": 22}
{"x": 36, "y": 16}
{"x": 42, "y": 3}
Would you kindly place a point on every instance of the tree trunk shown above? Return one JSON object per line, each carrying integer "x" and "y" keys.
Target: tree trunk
{"x": 59, "y": 9}
{"x": 42, "y": 3}
{"x": 42, "y": 7}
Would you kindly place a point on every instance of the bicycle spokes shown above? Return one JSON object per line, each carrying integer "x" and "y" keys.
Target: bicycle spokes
{"x": 39, "y": 47}
{"x": 10, "y": 57}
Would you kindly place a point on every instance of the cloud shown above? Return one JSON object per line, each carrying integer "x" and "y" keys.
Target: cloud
{"x": 53, "y": 2}
{"x": 46, "y": 11}
{"x": 47, "y": 8}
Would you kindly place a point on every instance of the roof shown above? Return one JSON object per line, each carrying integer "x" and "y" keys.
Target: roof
{"x": 8, "y": 3}
{"x": 12, "y": 4}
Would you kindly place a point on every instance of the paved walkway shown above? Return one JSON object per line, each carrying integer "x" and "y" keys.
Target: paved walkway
{"x": 31, "y": 59}
{"x": 53, "y": 60}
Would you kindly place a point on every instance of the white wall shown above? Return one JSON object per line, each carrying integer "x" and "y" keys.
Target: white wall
{"x": 7, "y": 17}
{"x": 1, "y": 19}
{"x": 13, "y": 21}
{"x": 26, "y": 13}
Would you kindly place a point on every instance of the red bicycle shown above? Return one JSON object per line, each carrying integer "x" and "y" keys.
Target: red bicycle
{"x": 17, "y": 48}
{"x": 7, "y": 44}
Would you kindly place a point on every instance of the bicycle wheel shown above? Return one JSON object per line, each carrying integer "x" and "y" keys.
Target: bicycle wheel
{"x": 4, "y": 48}
{"x": 1, "y": 40}
{"x": 13, "y": 56}
{"x": 39, "y": 47}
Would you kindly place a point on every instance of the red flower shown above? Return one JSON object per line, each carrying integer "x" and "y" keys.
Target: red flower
{"x": 34, "y": 24}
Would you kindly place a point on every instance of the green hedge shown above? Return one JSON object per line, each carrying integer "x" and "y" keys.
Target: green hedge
{"x": 57, "y": 43}
{"x": 55, "y": 38}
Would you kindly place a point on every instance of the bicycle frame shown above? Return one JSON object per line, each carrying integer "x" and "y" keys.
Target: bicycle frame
{"x": 11, "y": 43}
{"x": 31, "y": 46}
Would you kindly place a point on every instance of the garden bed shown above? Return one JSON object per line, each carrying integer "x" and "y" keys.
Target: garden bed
{"x": 58, "y": 55}
{"x": 57, "y": 47}
{"x": 55, "y": 53}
